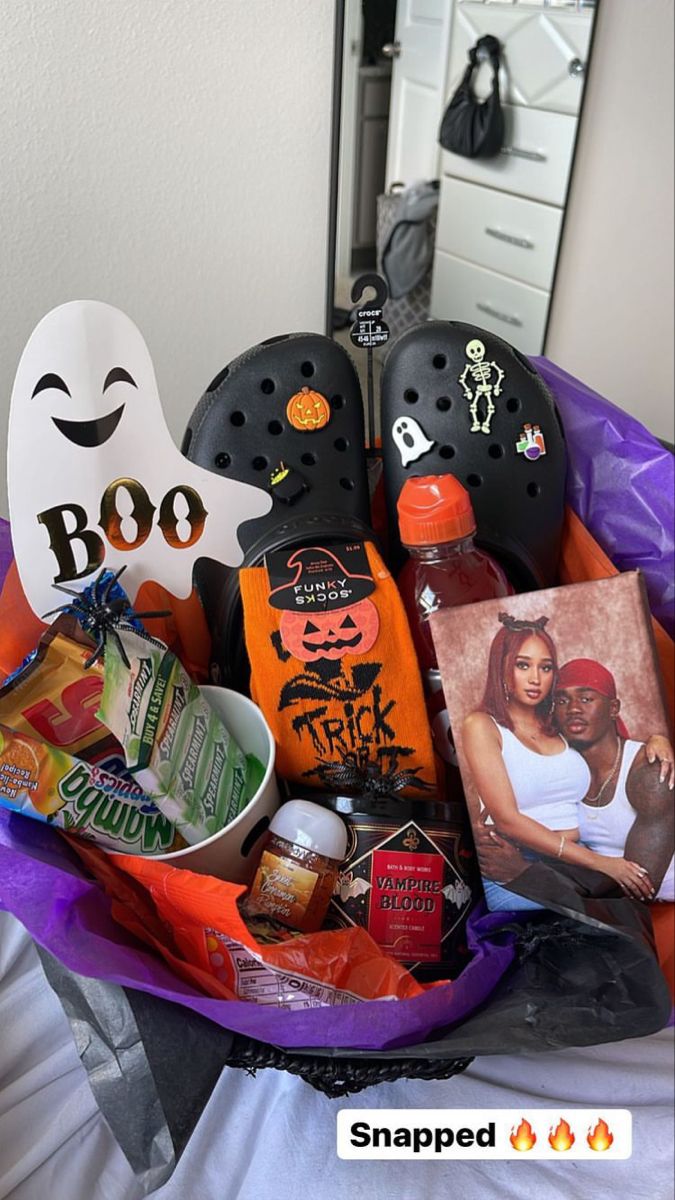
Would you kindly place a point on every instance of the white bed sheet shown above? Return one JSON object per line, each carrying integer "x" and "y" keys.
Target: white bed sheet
{"x": 273, "y": 1135}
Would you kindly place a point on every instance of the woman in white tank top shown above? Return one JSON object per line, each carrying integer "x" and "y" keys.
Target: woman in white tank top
{"x": 529, "y": 780}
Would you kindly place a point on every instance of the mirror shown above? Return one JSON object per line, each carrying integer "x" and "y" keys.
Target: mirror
{"x": 482, "y": 233}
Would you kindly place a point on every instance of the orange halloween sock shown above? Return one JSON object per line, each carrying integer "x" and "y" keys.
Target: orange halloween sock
{"x": 333, "y": 666}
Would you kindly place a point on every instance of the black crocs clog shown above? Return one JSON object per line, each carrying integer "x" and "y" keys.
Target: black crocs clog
{"x": 287, "y": 415}
{"x": 459, "y": 399}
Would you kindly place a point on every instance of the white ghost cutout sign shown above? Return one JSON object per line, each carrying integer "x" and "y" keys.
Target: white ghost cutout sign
{"x": 94, "y": 476}
{"x": 410, "y": 440}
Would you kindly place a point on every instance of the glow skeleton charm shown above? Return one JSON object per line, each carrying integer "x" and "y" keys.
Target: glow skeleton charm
{"x": 483, "y": 377}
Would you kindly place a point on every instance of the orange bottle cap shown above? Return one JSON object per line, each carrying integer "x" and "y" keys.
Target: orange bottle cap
{"x": 433, "y": 509}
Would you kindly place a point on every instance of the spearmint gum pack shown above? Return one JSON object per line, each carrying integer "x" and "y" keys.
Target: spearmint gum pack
{"x": 48, "y": 784}
{"x": 178, "y": 748}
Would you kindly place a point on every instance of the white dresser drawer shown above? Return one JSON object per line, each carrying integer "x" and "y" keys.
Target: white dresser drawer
{"x": 535, "y": 159}
{"x": 541, "y": 52}
{"x": 494, "y": 229}
{"x": 461, "y": 291}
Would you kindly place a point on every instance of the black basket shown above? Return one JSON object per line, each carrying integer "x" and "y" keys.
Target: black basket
{"x": 340, "y": 1076}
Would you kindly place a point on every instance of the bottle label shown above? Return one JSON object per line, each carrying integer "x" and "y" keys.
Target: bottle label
{"x": 282, "y": 889}
{"x": 406, "y": 906}
{"x": 410, "y": 887}
{"x": 312, "y": 579}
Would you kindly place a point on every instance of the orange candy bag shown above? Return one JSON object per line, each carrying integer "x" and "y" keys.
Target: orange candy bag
{"x": 193, "y": 921}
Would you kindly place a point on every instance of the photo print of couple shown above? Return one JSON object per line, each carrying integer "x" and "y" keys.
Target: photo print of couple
{"x": 558, "y": 722}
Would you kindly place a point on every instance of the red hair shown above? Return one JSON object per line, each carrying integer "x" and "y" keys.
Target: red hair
{"x": 501, "y": 664}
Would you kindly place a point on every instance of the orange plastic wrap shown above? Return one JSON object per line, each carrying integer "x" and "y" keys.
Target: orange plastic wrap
{"x": 184, "y": 630}
{"x": 193, "y": 921}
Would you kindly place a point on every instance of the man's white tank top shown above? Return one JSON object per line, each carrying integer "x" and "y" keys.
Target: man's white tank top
{"x": 605, "y": 829}
{"x": 547, "y": 787}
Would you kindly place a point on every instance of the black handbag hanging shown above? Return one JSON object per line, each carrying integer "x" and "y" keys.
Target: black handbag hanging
{"x": 471, "y": 127}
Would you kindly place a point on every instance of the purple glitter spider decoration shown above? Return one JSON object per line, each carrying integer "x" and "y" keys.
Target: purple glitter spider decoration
{"x": 100, "y": 609}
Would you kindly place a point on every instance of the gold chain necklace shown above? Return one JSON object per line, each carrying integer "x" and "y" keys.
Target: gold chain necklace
{"x": 595, "y": 800}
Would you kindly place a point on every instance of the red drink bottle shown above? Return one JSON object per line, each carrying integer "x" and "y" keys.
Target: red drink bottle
{"x": 445, "y": 569}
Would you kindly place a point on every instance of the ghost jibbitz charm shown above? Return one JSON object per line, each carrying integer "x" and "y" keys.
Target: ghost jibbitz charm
{"x": 480, "y": 380}
{"x": 410, "y": 440}
{"x": 531, "y": 442}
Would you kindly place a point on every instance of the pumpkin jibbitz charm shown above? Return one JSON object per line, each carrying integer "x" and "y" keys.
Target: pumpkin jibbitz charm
{"x": 308, "y": 411}
{"x": 332, "y": 635}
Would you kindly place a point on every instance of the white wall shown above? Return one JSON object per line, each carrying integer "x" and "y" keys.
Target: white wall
{"x": 612, "y": 315}
{"x": 172, "y": 159}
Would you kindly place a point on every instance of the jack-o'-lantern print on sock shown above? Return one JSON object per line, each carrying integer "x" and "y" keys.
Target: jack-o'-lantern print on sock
{"x": 332, "y": 664}
{"x": 330, "y": 635}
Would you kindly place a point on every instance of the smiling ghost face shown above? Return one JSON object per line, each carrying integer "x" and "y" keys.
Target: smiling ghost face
{"x": 94, "y": 475}
{"x": 83, "y": 395}
{"x": 84, "y": 365}
{"x": 97, "y": 430}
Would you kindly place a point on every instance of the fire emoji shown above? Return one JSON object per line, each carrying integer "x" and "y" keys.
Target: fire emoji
{"x": 524, "y": 1137}
{"x": 562, "y": 1137}
{"x": 600, "y": 1138}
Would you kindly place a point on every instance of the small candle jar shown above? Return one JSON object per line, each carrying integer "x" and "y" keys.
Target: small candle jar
{"x": 294, "y": 882}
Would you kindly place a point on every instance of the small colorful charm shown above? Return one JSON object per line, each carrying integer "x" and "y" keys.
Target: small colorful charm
{"x": 308, "y": 411}
{"x": 410, "y": 440}
{"x": 486, "y": 381}
{"x": 531, "y": 442}
{"x": 287, "y": 484}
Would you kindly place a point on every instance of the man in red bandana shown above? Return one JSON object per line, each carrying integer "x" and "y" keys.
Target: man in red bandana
{"x": 629, "y": 810}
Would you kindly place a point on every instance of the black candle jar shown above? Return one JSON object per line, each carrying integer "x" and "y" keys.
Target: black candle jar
{"x": 409, "y": 877}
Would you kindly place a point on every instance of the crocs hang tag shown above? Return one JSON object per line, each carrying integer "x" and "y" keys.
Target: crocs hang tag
{"x": 481, "y": 383}
{"x": 369, "y": 330}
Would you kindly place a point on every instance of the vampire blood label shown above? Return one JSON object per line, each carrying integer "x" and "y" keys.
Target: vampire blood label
{"x": 408, "y": 886}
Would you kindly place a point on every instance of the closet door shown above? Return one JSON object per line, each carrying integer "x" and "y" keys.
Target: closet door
{"x": 420, "y": 62}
